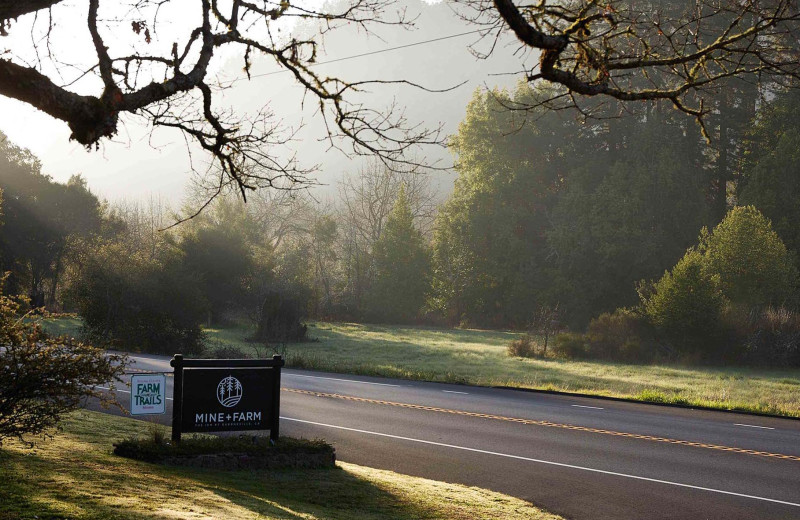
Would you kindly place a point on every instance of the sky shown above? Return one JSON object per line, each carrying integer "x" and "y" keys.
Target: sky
{"x": 138, "y": 163}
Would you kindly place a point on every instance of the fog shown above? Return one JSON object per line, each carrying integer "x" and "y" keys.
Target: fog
{"x": 139, "y": 163}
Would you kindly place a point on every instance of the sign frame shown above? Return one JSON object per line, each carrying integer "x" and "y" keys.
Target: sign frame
{"x": 274, "y": 365}
{"x": 135, "y": 409}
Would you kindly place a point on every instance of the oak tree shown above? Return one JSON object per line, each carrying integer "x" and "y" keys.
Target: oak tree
{"x": 165, "y": 75}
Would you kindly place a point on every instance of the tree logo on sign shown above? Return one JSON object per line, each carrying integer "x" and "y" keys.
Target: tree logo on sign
{"x": 229, "y": 392}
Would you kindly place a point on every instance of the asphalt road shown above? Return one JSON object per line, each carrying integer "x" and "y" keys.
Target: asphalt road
{"x": 579, "y": 457}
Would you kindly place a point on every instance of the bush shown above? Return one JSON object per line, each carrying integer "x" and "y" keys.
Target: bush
{"x": 685, "y": 306}
{"x": 286, "y": 452}
{"x": 570, "y": 345}
{"x": 522, "y": 347}
{"x": 42, "y": 378}
{"x": 622, "y": 335}
{"x": 280, "y": 318}
{"x": 140, "y": 303}
{"x": 773, "y": 338}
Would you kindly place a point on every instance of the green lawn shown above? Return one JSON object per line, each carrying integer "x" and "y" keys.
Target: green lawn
{"x": 75, "y": 476}
{"x": 479, "y": 357}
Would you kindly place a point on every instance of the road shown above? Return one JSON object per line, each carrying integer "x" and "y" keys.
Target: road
{"x": 582, "y": 458}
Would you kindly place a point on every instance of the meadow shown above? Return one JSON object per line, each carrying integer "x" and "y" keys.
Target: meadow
{"x": 478, "y": 357}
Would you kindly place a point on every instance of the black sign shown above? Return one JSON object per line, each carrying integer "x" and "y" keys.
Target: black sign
{"x": 226, "y": 399}
{"x": 226, "y": 395}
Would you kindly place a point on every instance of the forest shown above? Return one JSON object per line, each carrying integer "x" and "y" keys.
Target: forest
{"x": 629, "y": 236}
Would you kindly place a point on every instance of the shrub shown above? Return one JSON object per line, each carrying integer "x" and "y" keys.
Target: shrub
{"x": 522, "y": 347}
{"x": 140, "y": 303}
{"x": 283, "y": 452}
{"x": 280, "y": 318}
{"x": 773, "y": 338}
{"x": 622, "y": 335}
{"x": 570, "y": 345}
{"x": 42, "y": 378}
{"x": 685, "y": 306}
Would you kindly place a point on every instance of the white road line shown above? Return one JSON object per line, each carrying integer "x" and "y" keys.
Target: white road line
{"x": 454, "y": 392}
{"x": 121, "y": 390}
{"x": 335, "y": 379}
{"x": 753, "y": 426}
{"x": 548, "y": 462}
{"x": 582, "y": 406}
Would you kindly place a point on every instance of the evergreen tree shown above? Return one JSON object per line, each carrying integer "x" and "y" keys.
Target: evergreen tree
{"x": 752, "y": 262}
{"x": 490, "y": 242}
{"x": 770, "y": 178}
{"x": 402, "y": 264}
{"x": 629, "y": 214}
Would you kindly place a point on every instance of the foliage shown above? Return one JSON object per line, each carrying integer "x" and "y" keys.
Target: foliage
{"x": 42, "y": 377}
{"x": 623, "y": 335}
{"x": 685, "y": 305}
{"x": 489, "y": 246}
{"x": 773, "y": 338}
{"x": 751, "y": 261}
{"x": 150, "y": 450}
{"x": 402, "y": 262}
{"x": 570, "y": 345}
{"x": 138, "y": 302}
{"x": 769, "y": 179}
{"x": 280, "y": 318}
{"x": 546, "y": 211}
{"x": 220, "y": 251}
{"x": 42, "y": 220}
{"x": 524, "y": 346}
{"x": 627, "y": 211}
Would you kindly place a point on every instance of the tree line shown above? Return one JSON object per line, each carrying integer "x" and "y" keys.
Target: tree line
{"x": 549, "y": 211}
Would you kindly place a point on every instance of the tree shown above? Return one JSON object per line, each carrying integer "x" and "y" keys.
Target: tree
{"x": 137, "y": 302}
{"x": 166, "y": 78}
{"x": 401, "y": 267}
{"x": 627, "y": 211}
{"x": 490, "y": 240}
{"x": 43, "y": 220}
{"x": 685, "y": 305}
{"x": 751, "y": 261}
{"x": 741, "y": 264}
{"x": 769, "y": 177}
{"x": 221, "y": 250}
{"x": 647, "y": 50}
{"x": 366, "y": 201}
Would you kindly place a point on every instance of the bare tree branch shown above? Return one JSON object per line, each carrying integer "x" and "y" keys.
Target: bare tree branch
{"x": 644, "y": 50}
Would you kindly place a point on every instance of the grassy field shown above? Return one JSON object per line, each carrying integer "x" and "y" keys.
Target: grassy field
{"x": 479, "y": 357}
{"x": 75, "y": 476}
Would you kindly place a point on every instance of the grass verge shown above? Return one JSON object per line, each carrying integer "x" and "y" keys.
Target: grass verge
{"x": 74, "y": 475}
